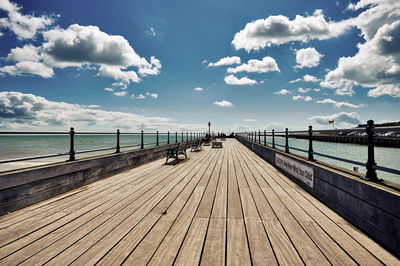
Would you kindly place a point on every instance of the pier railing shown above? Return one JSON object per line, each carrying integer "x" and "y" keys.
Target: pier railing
{"x": 157, "y": 140}
{"x": 369, "y": 132}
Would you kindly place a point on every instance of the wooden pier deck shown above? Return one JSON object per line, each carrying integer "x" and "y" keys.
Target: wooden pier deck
{"x": 219, "y": 207}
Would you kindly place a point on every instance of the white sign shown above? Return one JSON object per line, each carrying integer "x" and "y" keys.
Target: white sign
{"x": 296, "y": 169}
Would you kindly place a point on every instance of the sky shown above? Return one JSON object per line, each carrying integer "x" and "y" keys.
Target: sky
{"x": 176, "y": 65}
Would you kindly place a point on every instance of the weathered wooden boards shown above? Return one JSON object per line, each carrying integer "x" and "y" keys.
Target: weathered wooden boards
{"x": 221, "y": 206}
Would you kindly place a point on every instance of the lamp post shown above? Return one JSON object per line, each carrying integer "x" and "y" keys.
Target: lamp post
{"x": 209, "y": 132}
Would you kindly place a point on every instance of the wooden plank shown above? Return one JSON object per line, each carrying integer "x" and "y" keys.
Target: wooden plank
{"x": 214, "y": 246}
{"x": 220, "y": 201}
{"x": 353, "y": 248}
{"x": 234, "y": 205}
{"x": 50, "y": 251}
{"x": 144, "y": 251}
{"x": 330, "y": 249}
{"x": 190, "y": 251}
{"x": 66, "y": 200}
{"x": 115, "y": 256}
{"x": 284, "y": 250}
{"x": 237, "y": 249}
{"x": 134, "y": 213}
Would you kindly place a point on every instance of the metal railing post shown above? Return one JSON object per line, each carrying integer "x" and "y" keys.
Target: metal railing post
{"x": 371, "y": 172}
{"x": 157, "y": 143}
{"x": 168, "y": 138}
{"x": 118, "y": 148}
{"x": 265, "y": 137}
{"x": 191, "y": 135}
{"x": 187, "y": 136}
{"x": 273, "y": 139}
{"x": 71, "y": 146}
{"x": 176, "y": 137}
{"x": 287, "y": 141}
{"x": 252, "y": 136}
{"x": 141, "y": 140}
{"x": 259, "y": 137}
{"x": 310, "y": 149}
{"x": 182, "y": 136}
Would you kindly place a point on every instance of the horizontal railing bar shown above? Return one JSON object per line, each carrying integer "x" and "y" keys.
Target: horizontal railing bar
{"x": 339, "y": 159}
{"x": 385, "y": 169}
{"x": 87, "y": 151}
{"x": 33, "y": 158}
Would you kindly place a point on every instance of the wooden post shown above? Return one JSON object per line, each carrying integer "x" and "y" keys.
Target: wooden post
{"x": 287, "y": 141}
{"x": 71, "y": 146}
{"x": 371, "y": 172}
{"x": 157, "y": 143}
{"x": 141, "y": 140}
{"x": 118, "y": 147}
{"x": 310, "y": 148}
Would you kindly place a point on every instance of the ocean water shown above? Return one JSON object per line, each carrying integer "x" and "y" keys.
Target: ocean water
{"x": 21, "y": 146}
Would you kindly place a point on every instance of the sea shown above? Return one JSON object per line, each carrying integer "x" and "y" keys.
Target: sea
{"x": 26, "y": 146}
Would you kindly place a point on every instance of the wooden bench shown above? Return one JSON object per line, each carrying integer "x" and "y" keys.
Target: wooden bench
{"x": 179, "y": 149}
{"x": 216, "y": 144}
{"x": 196, "y": 146}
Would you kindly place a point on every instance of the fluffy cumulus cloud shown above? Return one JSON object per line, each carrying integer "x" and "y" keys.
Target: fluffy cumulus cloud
{"x": 224, "y": 103}
{"x": 120, "y": 93}
{"x": 27, "y": 67}
{"x": 301, "y": 90}
{"x": 232, "y": 80}
{"x": 340, "y": 118}
{"x": 152, "y": 95}
{"x": 23, "y": 26}
{"x": 307, "y": 57}
{"x": 277, "y": 30}
{"x": 198, "y": 89}
{"x": 28, "y": 111}
{"x": 306, "y": 78}
{"x": 376, "y": 65}
{"x": 304, "y": 98}
{"x": 79, "y": 46}
{"x": 267, "y": 64}
{"x": 226, "y": 61}
{"x": 340, "y": 104}
{"x": 282, "y": 92}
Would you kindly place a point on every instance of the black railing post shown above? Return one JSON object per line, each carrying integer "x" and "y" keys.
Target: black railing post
{"x": 187, "y": 136}
{"x": 265, "y": 137}
{"x": 273, "y": 139}
{"x": 255, "y": 136}
{"x": 371, "y": 172}
{"x": 310, "y": 149}
{"x": 176, "y": 137}
{"x": 259, "y": 137}
{"x": 157, "y": 143}
{"x": 141, "y": 140}
{"x": 191, "y": 135}
{"x": 182, "y": 136}
{"x": 168, "y": 138}
{"x": 71, "y": 147}
{"x": 118, "y": 147}
{"x": 287, "y": 141}
{"x": 252, "y": 136}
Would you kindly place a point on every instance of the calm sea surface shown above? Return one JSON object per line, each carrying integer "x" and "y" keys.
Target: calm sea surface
{"x": 33, "y": 145}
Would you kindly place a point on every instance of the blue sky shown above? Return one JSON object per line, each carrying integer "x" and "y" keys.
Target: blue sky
{"x": 175, "y": 65}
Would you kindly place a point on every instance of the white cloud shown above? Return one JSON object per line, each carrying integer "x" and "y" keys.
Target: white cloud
{"x": 249, "y": 120}
{"x": 300, "y": 97}
{"x": 198, "y": 89}
{"x": 317, "y": 90}
{"x": 340, "y": 118}
{"x": 376, "y": 65}
{"x": 150, "y": 32}
{"x": 27, "y": 67}
{"x": 20, "y": 111}
{"x": 120, "y": 93}
{"x": 152, "y": 95}
{"x": 93, "y": 106}
{"x": 204, "y": 62}
{"x": 343, "y": 87}
{"x": 301, "y": 90}
{"x": 26, "y": 53}
{"x": 226, "y": 61}
{"x": 307, "y": 57}
{"x": 23, "y": 26}
{"x": 267, "y": 64}
{"x": 152, "y": 69}
{"x": 224, "y": 103}
{"x": 340, "y": 104}
{"x": 109, "y": 89}
{"x": 117, "y": 74}
{"x": 232, "y": 80}
{"x": 277, "y": 30}
{"x": 282, "y": 92}
{"x": 141, "y": 96}
{"x": 309, "y": 78}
